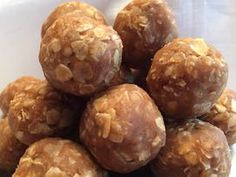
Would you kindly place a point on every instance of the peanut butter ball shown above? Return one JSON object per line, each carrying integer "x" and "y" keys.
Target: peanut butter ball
{"x": 40, "y": 112}
{"x": 53, "y": 157}
{"x": 193, "y": 149}
{"x": 19, "y": 85}
{"x": 223, "y": 115}
{"x": 144, "y": 26}
{"x": 80, "y": 56}
{"x": 11, "y": 149}
{"x": 186, "y": 78}
{"x": 67, "y": 7}
{"x": 122, "y": 128}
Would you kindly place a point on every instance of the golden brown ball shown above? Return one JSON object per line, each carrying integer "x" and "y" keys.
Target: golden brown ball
{"x": 193, "y": 149}
{"x": 122, "y": 128}
{"x": 145, "y": 26}
{"x": 186, "y": 78}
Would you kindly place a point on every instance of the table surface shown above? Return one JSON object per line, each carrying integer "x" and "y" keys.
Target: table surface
{"x": 20, "y": 22}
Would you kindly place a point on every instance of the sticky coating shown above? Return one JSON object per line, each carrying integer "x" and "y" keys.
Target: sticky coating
{"x": 57, "y": 158}
{"x": 11, "y": 149}
{"x": 40, "y": 112}
{"x": 19, "y": 85}
{"x": 145, "y": 26}
{"x": 193, "y": 149}
{"x": 186, "y": 78}
{"x": 67, "y": 7}
{"x": 223, "y": 115}
{"x": 122, "y": 124}
{"x": 80, "y": 56}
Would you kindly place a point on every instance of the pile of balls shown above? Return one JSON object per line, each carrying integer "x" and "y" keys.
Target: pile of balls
{"x": 129, "y": 100}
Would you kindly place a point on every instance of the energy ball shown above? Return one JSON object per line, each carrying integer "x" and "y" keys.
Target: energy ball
{"x": 122, "y": 124}
{"x": 40, "y": 112}
{"x": 64, "y": 8}
{"x": 11, "y": 149}
{"x": 223, "y": 115}
{"x": 79, "y": 56}
{"x": 19, "y": 85}
{"x": 53, "y": 157}
{"x": 144, "y": 26}
{"x": 193, "y": 149}
{"x": 186, "y": 78}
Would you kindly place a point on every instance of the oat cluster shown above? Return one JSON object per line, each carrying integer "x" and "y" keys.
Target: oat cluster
{"x": 193, "y": 148}
{"x": 113, "y": 124}
{"x": 131, "y": 100}
{"x": 186, "y": 78}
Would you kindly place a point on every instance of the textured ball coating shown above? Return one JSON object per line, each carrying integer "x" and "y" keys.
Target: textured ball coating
{"x": 19, "y": 85}
{"x": 223, "y": 115}
{"x": 67, "y": 7}
{"x": 79, "y": 56}
{"x": 40, "y": 112}
{"x": 193, "y": 149}
{"x": 144, "y": 26}
{"x": 186, "y": 78}
{"x": 53, "y": 157}
{"x": 11, "y": 149}
{"x": 123, "y": 124}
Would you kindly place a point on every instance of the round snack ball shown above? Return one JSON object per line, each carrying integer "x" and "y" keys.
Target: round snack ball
{"x": 79, "y": 56}
{"x": 11, "y": 149}
{"x": 40, "y": 112}
{"x": 223, "y": 115}
{"x": 122, "y": 124}
{"x": 193, "y": 149}
{"x": 19, "y": 85}
{"x": 53, "y": 157}
{"x": 144, "y": 26}
{"x": 67, "y": 7}
{"x": 186, "y": 78}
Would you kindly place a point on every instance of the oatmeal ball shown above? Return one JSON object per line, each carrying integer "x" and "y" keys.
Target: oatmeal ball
{"x": 19, "y": 85}
{"x": 145, "y": 26}
{"x": 11, "y": 149}
{"x": 79, "y": 56}
{"x": 186, "y": 78}
{"x": 40, "y": 112}
{"x": 122, "y": 124}
{"x": 193, "y": 149}
{"x": 53, "y": 157}
{"x": 223, "y": 115}
{"x": 64, "y": 8}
